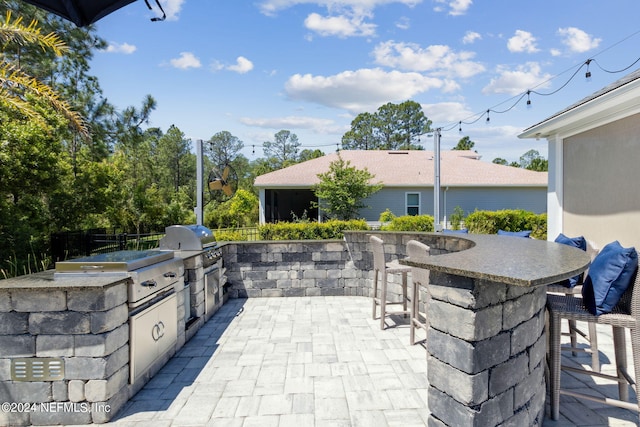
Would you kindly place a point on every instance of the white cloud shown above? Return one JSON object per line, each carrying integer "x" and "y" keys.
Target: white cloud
{"x": 341, "y": 26}
{"x": 242, "y": 65}
{"x": 324, "y": 126}
{"x": 517, "y": 81}
{"x": 471, "y": 37}
{"x": 125, "y": 48}
{"x": 403, "y": 23}
{"x": 172, "y": 8}
{"x": 523, "y": 41}
{"x": 459, "y": 7}
{"x": 270, "y": 7}
{"x": 446, "y": 111}
{"x": 360, "y": 90}
{"x": 577, "y": 40}
{"x": 455, "y": 7}
{"x": 439, "y": 59}
{"x": 185, "y": 61}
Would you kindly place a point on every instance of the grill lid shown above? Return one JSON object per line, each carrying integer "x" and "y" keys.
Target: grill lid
{"x": 119, "y": 261}
{"x": 186, "y": 238}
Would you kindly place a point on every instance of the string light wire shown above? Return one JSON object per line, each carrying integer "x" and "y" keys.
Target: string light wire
{"x": 476, "y": 117}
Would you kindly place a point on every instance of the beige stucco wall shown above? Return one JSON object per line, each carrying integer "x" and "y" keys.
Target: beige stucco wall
{"x": 601, "y": 178}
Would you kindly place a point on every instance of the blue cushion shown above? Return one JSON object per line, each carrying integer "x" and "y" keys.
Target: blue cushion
{"x": 609, "y": 276}
{"x": 463, "y": 231}
{"x": 524, "y": 233}
{"x": 576, "y": 242}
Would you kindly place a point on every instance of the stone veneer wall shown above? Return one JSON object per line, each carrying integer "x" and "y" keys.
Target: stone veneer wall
{"x": 486, "y": 368}
{"x": 316, "y": 267}
{"x": 309, "y": 267}
{"x": 89, "y": 328}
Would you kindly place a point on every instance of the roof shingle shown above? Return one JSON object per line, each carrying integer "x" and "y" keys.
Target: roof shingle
{"x": 413, "y": 168}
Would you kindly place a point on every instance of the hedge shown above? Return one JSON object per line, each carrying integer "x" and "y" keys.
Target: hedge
{"x": 409, "y": 223}
{"x": 489, "y": 222}
{"x": 331, "y": 229}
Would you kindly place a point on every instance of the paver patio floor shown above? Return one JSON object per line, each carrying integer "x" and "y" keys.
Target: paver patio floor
{"x": 313, "y": 361}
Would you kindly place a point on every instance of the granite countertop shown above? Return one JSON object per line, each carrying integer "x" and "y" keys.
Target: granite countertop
{"x": 46, "y": 280}
{"x": 507, "y": 259}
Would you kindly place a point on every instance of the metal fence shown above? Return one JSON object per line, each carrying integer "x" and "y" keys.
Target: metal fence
{"x": 73, "y": 244}
{"x": 244, "y": 233}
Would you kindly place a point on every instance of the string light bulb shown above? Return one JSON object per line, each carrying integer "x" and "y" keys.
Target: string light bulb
{"x": 529, "y": 99}
{"x": 488, "y": 119}
{"x": 587, "y": 75}
{"x": 460, "y": 126}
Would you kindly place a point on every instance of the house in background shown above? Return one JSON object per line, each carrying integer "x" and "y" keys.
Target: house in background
{"x": 408, "y": 184}
{"x": 594, "y": 165}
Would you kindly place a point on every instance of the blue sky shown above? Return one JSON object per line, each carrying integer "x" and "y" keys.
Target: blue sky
{"x": 310, "y": 66}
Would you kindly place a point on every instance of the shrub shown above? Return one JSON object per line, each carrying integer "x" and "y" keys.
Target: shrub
{"x": 311, "y": 230}
{"x": 230, "y": 236}
{"x": 489, "y": 222}
{"x": 456, "y": 218}
{"x": 410, "y": 223}
{"x": 386, "y": 216}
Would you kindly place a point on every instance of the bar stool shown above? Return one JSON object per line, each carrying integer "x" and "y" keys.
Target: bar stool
{"x": 383, "y": 269}
{"x": 417, "y": 251}
{"x": 591, "y": 336}
{"x": 626, "y": 315}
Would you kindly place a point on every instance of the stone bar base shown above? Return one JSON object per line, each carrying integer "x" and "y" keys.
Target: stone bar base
{"x": 485, "y": 352}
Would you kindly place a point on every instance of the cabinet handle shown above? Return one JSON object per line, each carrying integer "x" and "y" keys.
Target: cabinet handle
{"x": 170, "y": 274}
{"x": 149, "y": 284}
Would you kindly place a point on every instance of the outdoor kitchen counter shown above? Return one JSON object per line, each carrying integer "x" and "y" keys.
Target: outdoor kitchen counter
{"x": 485, "y": 309}
{"x": 79, "y": 323}
{"x": 506, "y": 259}
{"x": 45, "y": 279}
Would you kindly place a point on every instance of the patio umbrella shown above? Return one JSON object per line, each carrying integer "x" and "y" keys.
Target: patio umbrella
{"x": 85, "y": 12}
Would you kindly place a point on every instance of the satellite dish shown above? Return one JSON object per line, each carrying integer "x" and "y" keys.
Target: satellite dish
{"x": 223, "y": 185}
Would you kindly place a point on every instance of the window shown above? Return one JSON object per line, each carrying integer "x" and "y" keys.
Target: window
{"x": 413, "y": 203}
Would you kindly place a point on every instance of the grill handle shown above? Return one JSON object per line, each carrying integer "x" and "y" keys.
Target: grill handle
{"x": 149, "y": 284}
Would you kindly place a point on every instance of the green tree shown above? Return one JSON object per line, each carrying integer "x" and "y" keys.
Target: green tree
{"x": 532, "y": 160}
{"x": 465, "y": 143}
{"x": 175, "y": 161}
{"x": 361, "y": 136}
{"x": 391, "y": 127}
{"x": 500, "y": 161}
{"x": 239, "y": 211}
{"x": 283, "y": 149}
{"x": 387, "y": 126}
{"x": 412, "y": 123}
{"x": 223, "y": 147}
{"x": 309, "y": 155}
{"x": 343, "y": 188}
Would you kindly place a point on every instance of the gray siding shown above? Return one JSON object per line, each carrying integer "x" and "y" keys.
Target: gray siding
{"x": 468, "y": 198}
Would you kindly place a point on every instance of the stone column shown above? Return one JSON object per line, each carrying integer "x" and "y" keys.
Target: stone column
{"x": 485, "y": 352}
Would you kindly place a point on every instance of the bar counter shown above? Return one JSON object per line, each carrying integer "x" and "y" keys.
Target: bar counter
{"x": 485, "y": 306}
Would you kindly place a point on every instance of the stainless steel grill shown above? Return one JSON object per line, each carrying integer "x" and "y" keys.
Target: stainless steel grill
{"x": 192, "y": 238}
{"x": 198, "y": 241}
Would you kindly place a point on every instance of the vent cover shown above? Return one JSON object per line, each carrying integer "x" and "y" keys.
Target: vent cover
{"x": 37, "y": 369}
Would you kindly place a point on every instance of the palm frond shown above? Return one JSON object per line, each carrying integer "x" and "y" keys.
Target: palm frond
{"x": 15, "y": 84}
{"x": 14, "y": 31}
